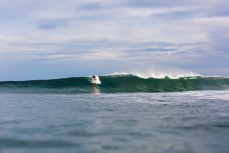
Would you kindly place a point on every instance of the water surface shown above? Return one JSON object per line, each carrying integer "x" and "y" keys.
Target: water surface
{"x": 179, "y": 122}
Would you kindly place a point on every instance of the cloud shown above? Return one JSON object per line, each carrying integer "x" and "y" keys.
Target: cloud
{"x": 171, "y": 3}
{"x": 53, "y": 24}
{"x": 123, "y": 32}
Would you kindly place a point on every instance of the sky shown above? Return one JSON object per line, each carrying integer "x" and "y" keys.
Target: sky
{"x": 45, "y": 39}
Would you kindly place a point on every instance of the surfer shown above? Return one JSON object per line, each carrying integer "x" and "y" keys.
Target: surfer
{"x": 95, "y": 80}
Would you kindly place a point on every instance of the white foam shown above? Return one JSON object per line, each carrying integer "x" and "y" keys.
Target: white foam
{"x": 159, "y": 74}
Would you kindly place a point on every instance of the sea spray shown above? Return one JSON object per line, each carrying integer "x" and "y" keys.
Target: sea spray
{"x": 158, "y": 73}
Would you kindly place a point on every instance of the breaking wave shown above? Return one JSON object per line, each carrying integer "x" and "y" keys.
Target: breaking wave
{"x": 117, "y": 83}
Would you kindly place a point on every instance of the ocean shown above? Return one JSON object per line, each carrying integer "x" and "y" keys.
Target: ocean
{"x": 125, "y": 114}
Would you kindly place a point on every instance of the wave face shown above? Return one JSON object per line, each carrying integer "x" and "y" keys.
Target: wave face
{"x": 115, "y": 84}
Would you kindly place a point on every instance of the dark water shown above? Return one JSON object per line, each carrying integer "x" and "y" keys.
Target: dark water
{"x": 116, "y": 84}
{"x": 178, "y": 122}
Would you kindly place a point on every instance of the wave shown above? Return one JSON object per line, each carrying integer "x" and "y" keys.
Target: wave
{"x": 115, "y": 84}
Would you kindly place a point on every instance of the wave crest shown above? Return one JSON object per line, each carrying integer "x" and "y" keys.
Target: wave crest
{"x": 158, "y": 74}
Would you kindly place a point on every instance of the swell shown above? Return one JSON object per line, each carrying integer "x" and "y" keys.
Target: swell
{"x": 116, "y": 83}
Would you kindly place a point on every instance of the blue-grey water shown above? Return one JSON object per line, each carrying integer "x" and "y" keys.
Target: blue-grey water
{"x": 178, "y": 122}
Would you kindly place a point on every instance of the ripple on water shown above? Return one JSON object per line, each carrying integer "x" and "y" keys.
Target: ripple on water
{"x": 16, "y": 143}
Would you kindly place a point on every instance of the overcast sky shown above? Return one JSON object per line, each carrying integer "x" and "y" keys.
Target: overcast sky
{"x": 44, "y": 39}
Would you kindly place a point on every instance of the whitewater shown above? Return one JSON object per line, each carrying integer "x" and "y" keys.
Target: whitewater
{"x": 126, "y": 113}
